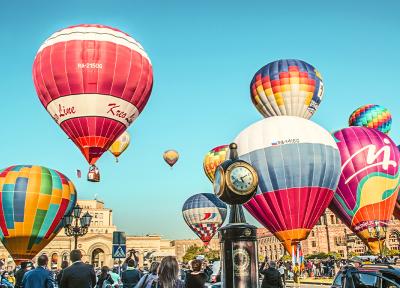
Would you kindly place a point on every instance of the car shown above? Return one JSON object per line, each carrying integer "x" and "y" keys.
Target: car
{"x": 367, "y": 276}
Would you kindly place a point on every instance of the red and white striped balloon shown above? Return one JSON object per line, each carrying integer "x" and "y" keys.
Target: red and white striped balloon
{"x": 94, "y": 81}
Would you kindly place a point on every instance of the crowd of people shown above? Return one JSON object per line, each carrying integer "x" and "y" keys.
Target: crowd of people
{"x": 165, "y": 274}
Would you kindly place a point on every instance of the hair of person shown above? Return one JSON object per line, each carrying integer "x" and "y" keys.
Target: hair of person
{"x": 196, "y": 265}
{"x": 42, "y": 260}
{"x": 115, "y": 270}
{"x": 4, "y": 273}
{"x": 24, "y": 265}
{"x": 105, "y": 269}
{"x": 131, "y": 263}
{"x": 75, "y": 255}
{"x": 272, "y": 264}
{"x": 168, "y": 272}
{"x": 64, "y": 264}
{"x": 154, "y": 267}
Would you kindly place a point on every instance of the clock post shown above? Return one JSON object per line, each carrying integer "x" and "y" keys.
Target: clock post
{"x": 236, "y": 182}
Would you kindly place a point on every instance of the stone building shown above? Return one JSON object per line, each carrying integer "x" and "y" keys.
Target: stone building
{"x": 329, "y": 235}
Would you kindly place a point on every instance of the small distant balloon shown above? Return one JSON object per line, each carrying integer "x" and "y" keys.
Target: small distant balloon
{"x": 171, "y": 157}
{"x": 213, "y": 159}
{"x": 120, "y": 145}
{"x": 78, "y": 173}
{"x": 372, "y": 116}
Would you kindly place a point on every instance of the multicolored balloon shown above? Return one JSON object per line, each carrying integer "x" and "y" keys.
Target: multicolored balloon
{"x": 33, "y": 201}
{"x": 120, "y": 145}
{"x": 287, "y": 87}
{"x": 396, "y": 212}
{"x": 204, "y": 213}
{"x": 94, "y": 81}
{"x": 368, "y": 186}
{"x": 212, "y": 160}
{"x": 298, "y": 166}
{"x": 171, "y": 157}
{"x": 372, "y": 116}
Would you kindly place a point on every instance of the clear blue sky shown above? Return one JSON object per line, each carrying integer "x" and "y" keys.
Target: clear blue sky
{"x": 204, "y": 55}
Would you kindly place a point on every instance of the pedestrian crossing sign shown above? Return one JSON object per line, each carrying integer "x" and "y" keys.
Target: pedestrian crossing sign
{"x": 119, "y": 251}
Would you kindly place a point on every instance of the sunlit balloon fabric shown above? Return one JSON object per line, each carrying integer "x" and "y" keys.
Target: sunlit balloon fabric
{"x": 120, "y": 145}
{"x": 372, "y": 116}
{"x": 212, "y": 160}
{"x": 94, "y": 81}
{"x": 369, "y": 181}
{"x": 298, "y": 166}
{"x": 204, "y": 213}
{"x": 171, "y": 157}
{"x": 33, "y": 201}
{"x": 287, "y": 87}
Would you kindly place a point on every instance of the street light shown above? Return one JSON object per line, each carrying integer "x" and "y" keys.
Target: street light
{"x": 81, "y": 225}
{"x": 379, "y": 232}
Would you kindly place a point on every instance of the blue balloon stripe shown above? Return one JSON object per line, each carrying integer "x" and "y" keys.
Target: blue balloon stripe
{"x": 21, "y": 185}
{"x": 48, "y": 219}
{"x": 8, "y": 204}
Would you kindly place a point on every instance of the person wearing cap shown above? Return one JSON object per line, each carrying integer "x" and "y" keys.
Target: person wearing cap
{"x": 272, "y": 277}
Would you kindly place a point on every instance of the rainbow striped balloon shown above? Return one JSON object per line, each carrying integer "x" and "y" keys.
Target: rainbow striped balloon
{"x": 33, "y": 201}
{"x": 372, "y": 116}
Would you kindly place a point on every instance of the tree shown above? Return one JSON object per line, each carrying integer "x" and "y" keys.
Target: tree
{"x": 193, "y": 251}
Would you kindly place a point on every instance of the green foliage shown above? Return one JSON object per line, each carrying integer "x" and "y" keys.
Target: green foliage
{"x": 353, "y": 254}
{"x": 286, "y": 257}
{"x": 394, "y": 252}
{"x": 193, "y": 251}
{"x": 320, "y": 255}
{"x": 334, "y": 255}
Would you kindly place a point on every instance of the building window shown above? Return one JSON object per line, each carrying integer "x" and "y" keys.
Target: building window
{"x": 313, "y": 233}
{"x": 314, "y": 244}
{"x": 332, "y": 219}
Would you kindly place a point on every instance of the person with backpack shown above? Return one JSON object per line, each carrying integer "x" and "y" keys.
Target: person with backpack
{"x": 197, "y": 278}
{"x": 147, "y": 280}
{"x": 105, "y": 280}
{"x": 168, "y": 274}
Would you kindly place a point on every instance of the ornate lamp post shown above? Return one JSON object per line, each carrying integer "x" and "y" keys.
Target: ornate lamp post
{"x": 80, "y": 226}
{"x": 378, "y": 232}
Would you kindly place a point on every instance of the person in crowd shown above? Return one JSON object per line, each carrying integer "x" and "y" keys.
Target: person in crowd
{"x": 272, "y": 277}
{"x": 105, "y": 278}
{"x": 168, "y": 274}
{"x": 64, "y": 264}
{"x": 20, "y": 274}
{"x": 197, "y": 277}
{"x": 40, "y": 277}
{"x": 79, "y": 274}
{"x": 148, "y": 279}
{"x": 114, "y": 273}
{"x": 296, "y": 275}
{"x": 5, "y": 281}
{"x": 131, "y": 276}
{"x": 281, "y": 270}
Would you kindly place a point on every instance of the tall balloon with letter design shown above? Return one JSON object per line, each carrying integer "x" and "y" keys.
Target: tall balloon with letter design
{"x": 298, "y": 166}
{"x": 94, "y": 81}
{"x": 33, "y": 201}
{"x": 368, "y": 186}
{"x": 212, "y": 160}
{"x": 287, "y": 87}
{"x": 204, "y": 213}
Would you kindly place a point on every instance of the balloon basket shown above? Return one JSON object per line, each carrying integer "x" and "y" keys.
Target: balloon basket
{"x": 93, "y": 174}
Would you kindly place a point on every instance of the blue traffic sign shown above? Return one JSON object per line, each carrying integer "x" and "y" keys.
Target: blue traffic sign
{"x": 119, "y": 251}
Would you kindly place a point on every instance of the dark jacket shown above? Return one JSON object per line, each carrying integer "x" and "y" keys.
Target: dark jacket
{"x": 78, "y": 275}
{"x": 130, "y": 278}
{"x": 272, "y": 278}
{"x": 38, "y": 278}
{"x": 197, "y": 280}
{"x": 19, "y": 275}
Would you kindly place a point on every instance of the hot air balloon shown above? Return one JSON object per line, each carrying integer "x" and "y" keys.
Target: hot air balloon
{"x": 171, "y": 156}
{"x": 94, "y": 81}
{"x": 212, "y": 160}
{"x": 120, "y": 145}
{"x": 298, "y": 166}
{"x": 372, "y": 116}
{"x": 287, "y": 87}
{"x": 396, "y": 212}
{"x": 204, "y": 213}
{"x": 368, "y": 186}
{"x": 34, "y": 199}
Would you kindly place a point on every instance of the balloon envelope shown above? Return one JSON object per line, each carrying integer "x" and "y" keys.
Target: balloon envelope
{"x": 171, "y": 157}
{"x": 298, "y": 166}
{"x": 372, "y": 116}
{"x": 212, "y": 160}
{"x": 34, "y": 199}
{"x": 368, "y": 186}
{"x": 120, "y": 145}
{"x": 287, "y": 87}
{"x": 94, "y": 81}
{"x": 204, "y": 213}
{"x": 396, "y": 212}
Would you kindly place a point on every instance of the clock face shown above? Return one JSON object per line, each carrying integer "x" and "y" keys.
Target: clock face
{"x": 242, "y": 179}
{"x": 218, "y": 181}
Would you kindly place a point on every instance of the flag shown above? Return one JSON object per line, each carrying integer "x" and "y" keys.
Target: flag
{"x": 78, "y": 173}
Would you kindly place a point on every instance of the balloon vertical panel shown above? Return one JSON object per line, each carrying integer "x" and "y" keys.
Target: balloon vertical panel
{"x": 33, "y": 201}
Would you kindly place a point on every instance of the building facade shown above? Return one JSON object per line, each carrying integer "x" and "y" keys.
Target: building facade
{"x": 329, "y": 235}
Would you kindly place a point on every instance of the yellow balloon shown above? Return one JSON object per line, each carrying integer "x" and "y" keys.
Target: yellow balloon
{"x": 120, "y": 145}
